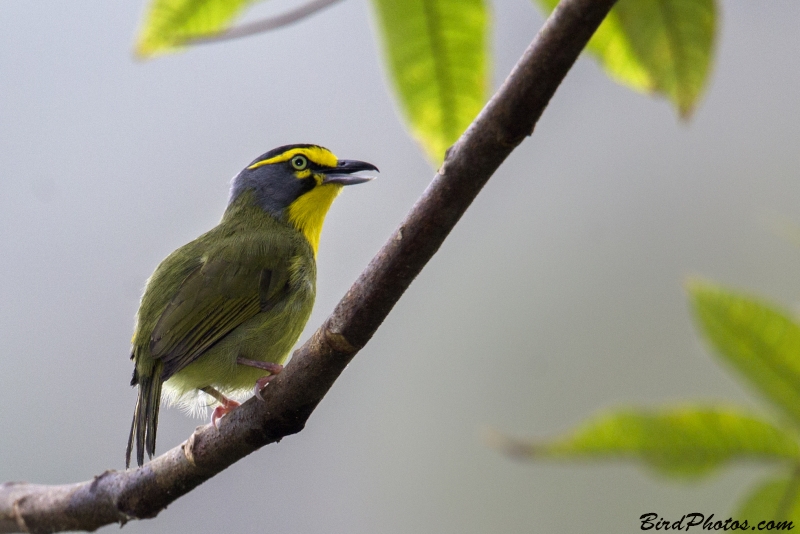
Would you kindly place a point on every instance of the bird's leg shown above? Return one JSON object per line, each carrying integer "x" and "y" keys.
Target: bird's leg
{"x": 273, "y": 368}
{"x": 226, "y": 405}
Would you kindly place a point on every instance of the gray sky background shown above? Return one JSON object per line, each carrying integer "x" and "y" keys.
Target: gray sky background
{"x": 559, "y": 293}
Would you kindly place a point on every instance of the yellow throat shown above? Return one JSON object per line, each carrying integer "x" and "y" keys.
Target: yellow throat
{"x": 307, "y": 213}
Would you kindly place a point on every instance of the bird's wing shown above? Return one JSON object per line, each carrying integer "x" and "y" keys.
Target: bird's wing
{"x": 211, "y": 302}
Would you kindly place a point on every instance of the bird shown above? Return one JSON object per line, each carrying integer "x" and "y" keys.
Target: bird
{"x": 219, "y": 315}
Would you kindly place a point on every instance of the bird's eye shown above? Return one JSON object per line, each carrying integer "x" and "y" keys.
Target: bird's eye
{"x": 299, "y": 163}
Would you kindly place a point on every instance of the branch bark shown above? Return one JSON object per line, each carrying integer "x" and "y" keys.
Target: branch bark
{"x": 510, "y": 116}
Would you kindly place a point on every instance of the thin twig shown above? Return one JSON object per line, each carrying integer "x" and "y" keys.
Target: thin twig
{"x": 264, "y": 25}
{"x": 118, "y": 496}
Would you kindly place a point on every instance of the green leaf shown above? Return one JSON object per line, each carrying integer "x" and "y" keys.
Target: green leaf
{"x": 777, "y": 500}
{"x": 437, "y": 53}
{"x": 169, "y": 23}
{"x": 678, "y": 441}
{"x": 759, "y": 340}
{"x": 658, "y": 46}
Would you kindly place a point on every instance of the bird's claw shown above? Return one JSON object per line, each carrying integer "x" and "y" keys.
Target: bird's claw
{"x": 223, "y": 409}
{"x": 264, "y": 380}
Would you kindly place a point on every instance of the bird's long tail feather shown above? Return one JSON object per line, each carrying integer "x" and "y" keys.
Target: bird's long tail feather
{"x": 145, "y": 415}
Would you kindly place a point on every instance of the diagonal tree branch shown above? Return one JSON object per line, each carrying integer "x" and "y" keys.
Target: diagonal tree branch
{"x": 510, "y": 116}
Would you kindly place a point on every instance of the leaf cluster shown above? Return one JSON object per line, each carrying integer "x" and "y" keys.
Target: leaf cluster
{"x": 760, "y": 343}
{"x": 437, "y": 52}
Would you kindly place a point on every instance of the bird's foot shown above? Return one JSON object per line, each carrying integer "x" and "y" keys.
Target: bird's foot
{"x": 260, "y": 384}
{"x": 273, "y": 368}
{"x": 226, "y": 405}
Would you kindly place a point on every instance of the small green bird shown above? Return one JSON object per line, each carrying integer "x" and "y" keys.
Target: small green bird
{"x": 220, "y": 314}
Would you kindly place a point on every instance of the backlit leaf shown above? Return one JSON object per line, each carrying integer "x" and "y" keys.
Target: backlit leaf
{"x": 678, "y": 441}
{"x": 773, "y": 500}
{"x": 659, "y": 46}
{"x": 759, "y": 340}
{"x": 169, "y": 23}
{"x": 437, "y": 58}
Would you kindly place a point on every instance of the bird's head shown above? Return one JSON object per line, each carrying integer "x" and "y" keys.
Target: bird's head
{"x": 296, "y": 184}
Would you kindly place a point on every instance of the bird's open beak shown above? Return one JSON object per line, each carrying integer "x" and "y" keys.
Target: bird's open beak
{"x": 342, "y": 174}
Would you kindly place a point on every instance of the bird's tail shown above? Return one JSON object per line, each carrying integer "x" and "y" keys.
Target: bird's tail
{"x": 145, "y": 415}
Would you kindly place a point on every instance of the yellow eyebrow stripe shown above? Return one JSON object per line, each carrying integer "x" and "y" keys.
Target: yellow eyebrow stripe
{"x": 315, "y": 154}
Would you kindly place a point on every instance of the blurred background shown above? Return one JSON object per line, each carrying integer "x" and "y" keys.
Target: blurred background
{"x": 559, "y": 293}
